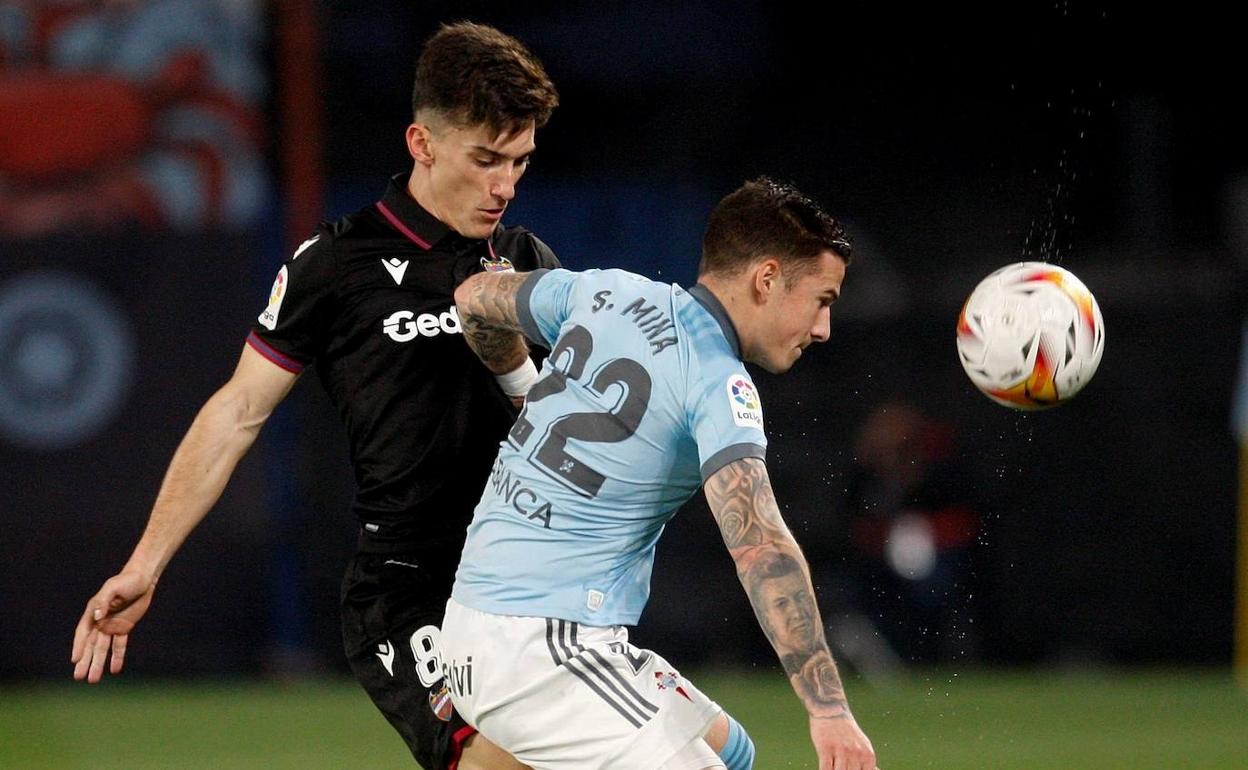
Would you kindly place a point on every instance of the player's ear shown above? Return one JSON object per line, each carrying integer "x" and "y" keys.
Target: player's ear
{"x": 767, "y": 278}
{"x": 420, "y": 143}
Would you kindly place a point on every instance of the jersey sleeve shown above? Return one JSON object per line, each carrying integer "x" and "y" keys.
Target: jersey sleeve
{"x": 726, "y": 418}
{"x": 292, "y": 329}
{"x": 544, "y": 301}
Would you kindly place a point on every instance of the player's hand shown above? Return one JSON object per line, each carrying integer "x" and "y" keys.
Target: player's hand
{"x": 841, "y": 744}
{"x": 106, "y": 624}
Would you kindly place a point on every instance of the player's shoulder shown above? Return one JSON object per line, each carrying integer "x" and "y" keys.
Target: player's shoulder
{"x": 335, "y": 238}
{"x": 612, "y": 285}
{"x": 366, "y": 222}
{"x": 620, "y": 279}
{"x": 523, "y": 249}
{"x": 326, "y": 235}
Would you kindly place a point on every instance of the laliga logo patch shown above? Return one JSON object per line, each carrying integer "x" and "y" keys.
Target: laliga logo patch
{"x": 268, "y": 319}
{"x": 440, "y": 703}
{"x": 497, "y": 264}
{"x": 747, "y": 411}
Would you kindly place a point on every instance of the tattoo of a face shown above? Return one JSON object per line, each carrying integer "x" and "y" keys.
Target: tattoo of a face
{"x": 775, "y": 577}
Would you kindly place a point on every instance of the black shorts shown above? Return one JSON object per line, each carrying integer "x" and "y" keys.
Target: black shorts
{"x": 392, "y": 607}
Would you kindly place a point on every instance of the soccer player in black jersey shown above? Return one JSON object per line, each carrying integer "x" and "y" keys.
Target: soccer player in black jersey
{"x": 369, "y": 300}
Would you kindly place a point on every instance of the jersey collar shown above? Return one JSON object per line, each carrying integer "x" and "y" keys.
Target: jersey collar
{"x": 407, "y": 216}
{"x": 713, "y": 306}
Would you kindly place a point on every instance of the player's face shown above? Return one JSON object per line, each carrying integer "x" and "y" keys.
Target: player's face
{"x": 473, "y": 175}
{"x": 800, "y": 314}
{"x": 789, "y": 612}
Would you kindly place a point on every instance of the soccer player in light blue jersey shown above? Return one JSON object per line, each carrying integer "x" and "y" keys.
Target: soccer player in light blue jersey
{"x": 643, "y": 400}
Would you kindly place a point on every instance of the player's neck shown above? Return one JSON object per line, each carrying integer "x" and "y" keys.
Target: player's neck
{"x": 418, "y": 187}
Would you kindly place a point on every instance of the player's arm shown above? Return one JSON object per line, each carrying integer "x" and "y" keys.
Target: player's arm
{"x": 744, "y": 506}
{"x": 221, "y": 434}
{"x": 491, "y": 324}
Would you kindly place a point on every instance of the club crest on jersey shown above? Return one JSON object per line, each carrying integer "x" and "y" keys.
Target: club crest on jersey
{"x": 496, "y": 264}
{"x": 440, "y": 703}
{"x": 747, "y": 410}
{"x": 668, "y": 680}
{"x": 268, "y": 319}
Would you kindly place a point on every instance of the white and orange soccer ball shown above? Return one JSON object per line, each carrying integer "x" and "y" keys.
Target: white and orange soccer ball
{"x": 1031, "y": 335}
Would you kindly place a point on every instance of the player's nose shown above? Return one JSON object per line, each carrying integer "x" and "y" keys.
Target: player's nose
{"x": 822, "y": 329}
{"x": 504, "y": 186}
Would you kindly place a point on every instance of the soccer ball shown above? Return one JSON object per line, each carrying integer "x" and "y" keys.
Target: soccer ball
{"x": 1031, "y": 335}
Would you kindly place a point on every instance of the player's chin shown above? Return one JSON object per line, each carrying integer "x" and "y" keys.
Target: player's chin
{"x": 478, "y": 231}
{"x": 788, "y": 361}
{"x": 480, "y": 226}
{"x": 776, "y": 362}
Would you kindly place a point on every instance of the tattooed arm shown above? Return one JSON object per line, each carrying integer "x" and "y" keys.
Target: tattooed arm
{"x": 487, "y": 312}
{"x": 776, "y": 577}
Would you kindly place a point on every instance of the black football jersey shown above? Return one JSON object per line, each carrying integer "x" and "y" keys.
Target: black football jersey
{"x": 369, "y": 300}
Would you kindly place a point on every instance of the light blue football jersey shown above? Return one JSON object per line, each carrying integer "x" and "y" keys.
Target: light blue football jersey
{"x": 642, "y": 398}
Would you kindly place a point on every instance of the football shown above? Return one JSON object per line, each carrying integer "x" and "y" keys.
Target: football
{"x": 1030, "y": 335}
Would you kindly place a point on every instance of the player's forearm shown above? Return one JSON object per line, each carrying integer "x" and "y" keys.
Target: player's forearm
{"x": 763, "y": 549}
{"x": 488, "y": 315}
{"x": 490, "y": 299}
{"x": 500, "y": 349}
{"x": 810, "y": 667}
{"x": 221, "y": 434}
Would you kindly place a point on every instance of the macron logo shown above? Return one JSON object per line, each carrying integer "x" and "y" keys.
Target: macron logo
{"x": 385, "y": 652}
{"x": 395, "y": 268}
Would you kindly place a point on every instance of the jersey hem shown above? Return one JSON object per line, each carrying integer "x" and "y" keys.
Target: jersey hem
{"x": 503, "y": 609}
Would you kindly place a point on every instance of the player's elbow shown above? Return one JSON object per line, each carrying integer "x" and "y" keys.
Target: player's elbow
{"x": 235, "y": 413}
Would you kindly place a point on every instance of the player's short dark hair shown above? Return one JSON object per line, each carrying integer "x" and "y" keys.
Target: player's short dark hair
{"x": 764, "y": 218}
{"x": 473, "y": 74}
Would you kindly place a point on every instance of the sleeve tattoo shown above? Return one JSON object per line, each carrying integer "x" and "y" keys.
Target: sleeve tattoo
{"x": 488, "y": 315}
{"x": 777, "y": 579}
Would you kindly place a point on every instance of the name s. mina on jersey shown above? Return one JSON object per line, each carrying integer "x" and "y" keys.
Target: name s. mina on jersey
{"x": 369, "y": 300}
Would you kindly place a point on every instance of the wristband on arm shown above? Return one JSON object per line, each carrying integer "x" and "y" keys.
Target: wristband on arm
{"x": 517, "y": 382}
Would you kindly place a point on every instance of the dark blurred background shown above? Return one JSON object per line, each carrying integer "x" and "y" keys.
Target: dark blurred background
{"x": 158, "y": 158}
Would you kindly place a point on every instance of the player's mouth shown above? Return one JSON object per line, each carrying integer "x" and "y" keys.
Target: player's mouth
{"x": 492, "y": 214}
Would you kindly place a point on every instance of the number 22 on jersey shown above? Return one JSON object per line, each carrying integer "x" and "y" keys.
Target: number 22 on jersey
{"x": 614, "y": 422}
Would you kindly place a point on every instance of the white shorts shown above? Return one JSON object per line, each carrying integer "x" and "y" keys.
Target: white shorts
{"x": 560, "y": 695}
